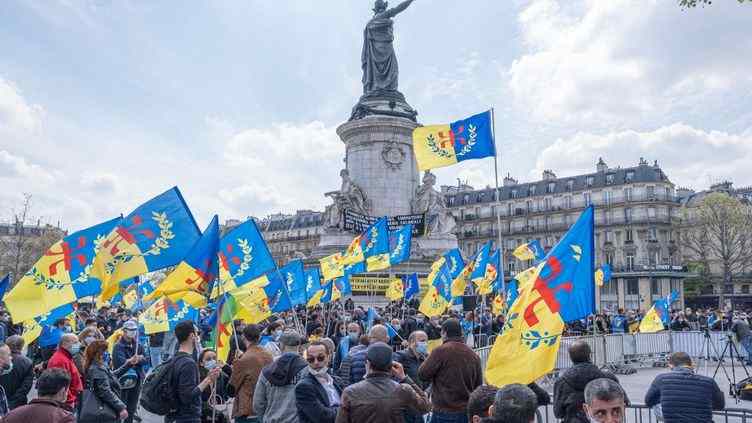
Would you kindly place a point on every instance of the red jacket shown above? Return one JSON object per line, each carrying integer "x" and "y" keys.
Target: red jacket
{"x": 62, "y": 360}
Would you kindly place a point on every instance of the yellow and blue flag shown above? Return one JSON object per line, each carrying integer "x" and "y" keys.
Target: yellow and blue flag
{"x": 295, "y": 281}
{"x": 4, "y": 283}
{"x": 193, "y": 278}
{"x": 411, "y": 284}
{"x": 438, "y": 296}
{"x": 530, "y": 251}
{"x": 498, "y": 305}
{"x": 529, "y": 344}
{"x": 602, "y": 274}
{"x": 343, "y": 285}
{"x": 243, "y": 257}
{"x": 156, "y": 235}
{"x": 314, "y": 291}
{"x": 164, "y": 314}
{"x": 444, "y": 145}
{"x": 493, "y": 280}
{"x": 61, "y": 275}
{"x": 651, "y": 323}
{"x": 400, "y": 246}
{"x": 396, "y": 290}
{"x": 511, "y": 293}
{"x": 566, "y": 282}
{"x": 332, "y": 267}
{"x": 454, "y": 261}
{"x": 331, "y": 293}
{"x": 32, "y": 328}
{"x": 475, "y": 269}
{"x": 258, "y": 300}
{"x": 375, "y": 244}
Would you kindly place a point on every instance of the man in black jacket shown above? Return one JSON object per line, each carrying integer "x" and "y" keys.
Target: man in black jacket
{"x": 185, "y": 377}
{"x": 318, "y": 394}
{"x": 683, "y": 395}
{"x": 570, "y": 387}
{"x": 18, "y": 382}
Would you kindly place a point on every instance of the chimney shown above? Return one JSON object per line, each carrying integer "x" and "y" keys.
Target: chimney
{"x": 549, "y": 175}
{"x": 601, "y": 166}
{"x": 509, "y": 181}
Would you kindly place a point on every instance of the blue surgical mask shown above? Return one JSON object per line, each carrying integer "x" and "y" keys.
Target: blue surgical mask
{"x": 75, "y": 348}
{"x": 422, "y": 348}
{"x": 210, "y": 364}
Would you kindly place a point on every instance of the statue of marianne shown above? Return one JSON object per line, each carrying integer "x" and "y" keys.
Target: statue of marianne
{"x": 379, "y": 61}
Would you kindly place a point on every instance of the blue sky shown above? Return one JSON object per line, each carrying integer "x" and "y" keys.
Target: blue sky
{"x": 104, "y": 104}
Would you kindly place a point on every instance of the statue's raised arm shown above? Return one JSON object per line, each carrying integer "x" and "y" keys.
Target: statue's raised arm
{"x": 390, "y": 13}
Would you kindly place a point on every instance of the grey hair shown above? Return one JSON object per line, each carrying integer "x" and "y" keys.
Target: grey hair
{"x": 515, "y": 403}
{"x": 603, "y": 389}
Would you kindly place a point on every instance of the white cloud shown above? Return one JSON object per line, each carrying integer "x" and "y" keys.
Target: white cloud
{"x": 16, "y": 114}
{"x": 689, "y": 156}
{"x": 100, "y": 183}
{"x": 16, "y": 167}
{"x": 613, "y": 63}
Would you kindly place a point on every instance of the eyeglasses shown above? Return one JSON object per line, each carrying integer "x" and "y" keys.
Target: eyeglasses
{"x": 319, "y": 358}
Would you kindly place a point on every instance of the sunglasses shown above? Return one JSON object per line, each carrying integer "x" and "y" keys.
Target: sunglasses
{"x": 319, "y": 358}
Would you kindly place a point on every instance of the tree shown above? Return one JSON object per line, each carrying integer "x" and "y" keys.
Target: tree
{"x": 688, "y": 4}
{"x": 718, "y": 236}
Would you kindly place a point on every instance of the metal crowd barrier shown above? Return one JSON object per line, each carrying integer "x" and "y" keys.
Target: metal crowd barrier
{"x": 640, "y": 413}
{"x": 639, "y": 348}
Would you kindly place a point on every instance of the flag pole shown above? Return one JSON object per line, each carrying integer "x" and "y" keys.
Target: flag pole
{"x": 497, "y": 195}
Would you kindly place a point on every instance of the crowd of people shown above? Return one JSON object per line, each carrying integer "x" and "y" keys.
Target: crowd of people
{"x": 336, "y": 364}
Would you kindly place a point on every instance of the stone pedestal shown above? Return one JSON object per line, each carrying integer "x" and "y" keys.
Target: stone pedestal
{"x": 379, "y": 157}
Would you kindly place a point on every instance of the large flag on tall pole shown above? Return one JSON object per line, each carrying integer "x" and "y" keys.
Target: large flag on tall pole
{"x": 61, "y": 275}
{"x": 243, "y": 257}
{"x": 193, "y": 279}
{"x": 156, "y": 235}
{"x": 445, "y": 145}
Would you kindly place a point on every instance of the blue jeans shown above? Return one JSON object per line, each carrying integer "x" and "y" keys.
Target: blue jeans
{"x": 460, "y": 417}
{"x": 155, "y": 355}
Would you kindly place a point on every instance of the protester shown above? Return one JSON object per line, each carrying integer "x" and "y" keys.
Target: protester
{"x": 454, "y": 371}
{"x": 414, "y": 355}
{"x": 353, "y": 367}
{"x": 185, "y": 377}
{"x": 86, "y": 337}
{"x": 49, "y": 339}
{"x": 378, "y": 398}
{"x": 318, "y": 394}
{"x": 50, "y": 405}
{"x": 346, "y": 343}
{"x": 129, "y": 352}
{"x": 102, "y": 382}
{"x": 63, "y": 359}
{"x": 207, "y": 360}
{"x": 683, "y": 395}
{"x": 569, "y": 388}
{"x": 274, "y": 397}
{"x": 245, "y": 373}
{"x": 605, "y": 401}
{"x": 740, "y": 328}
{"x": 514, "y": 403}
{"x": 19, "y": 378}
{"x": 479, "y": 402}
{"x": 5, "y": 366}
{"x": 272, "y": 333}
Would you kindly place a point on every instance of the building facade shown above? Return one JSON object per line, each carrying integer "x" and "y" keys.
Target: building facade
{"x": 291, "y": 236}
{"x": 22, "y": 245}
{"x": 636, "y": 210}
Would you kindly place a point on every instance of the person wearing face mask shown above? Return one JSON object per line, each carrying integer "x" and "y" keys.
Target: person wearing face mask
{"x": 207, "y": 361}
{"x": 86, "y": 337}
{"x": 270, "y": 341}
{"x": 18, "y": 379}
{"x": 63, "y": 359}
{"x": 346, "y": 344}
{"x": 245, "y": 373}
{"x": 128, "y": 352}
{"x": 415, "y": 354}
{"x": 318, "y": 394}
{"x": 103, "y": 382}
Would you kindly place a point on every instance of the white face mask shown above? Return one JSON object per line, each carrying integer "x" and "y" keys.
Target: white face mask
{"x": 320, "y": 372}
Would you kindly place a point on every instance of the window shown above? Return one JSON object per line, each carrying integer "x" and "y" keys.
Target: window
{"x": 568, "y": 202}
{"x": 627, "y": 194}
{"x": 609, "y": 179}
{"x": 628, "y": 235}
{"x": 570, "y": 185}
{"x": 630, "y": 176}
{"x": 655, "y": 257}
{"x": 590, "y": 181}
{"x": 549, "y": 204}
{"x": 606, "y": 197}
{"x": 608, "y": 258}
{"x": 627, "y": 214}
{"x": 532, "y": 190}
{"x": 529, "y": 206}
{"x": 607, "y": 217}
{"x": 633, "y": 287}
{"x": 587, "y": 199}
{"x": 630, "y": 262}
{"x": 651, "y": 193}
{"x": 655, "y": 287}
{"x": 651, "y": 212}
{"x": 609, "y": 236}
{"x": 745, "y": 289}
{"x": 551, "y": 187}
{"x": 653, "y": 234}
{"x": 511, "y": 267}
{"x": 465, "y": 198}
{"x": 514, "y": 193}
{"x": 481, "y": 196}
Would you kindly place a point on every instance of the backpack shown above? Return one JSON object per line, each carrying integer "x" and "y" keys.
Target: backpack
{"x": 743, "y": 389}
{"x": 157, "y": 392}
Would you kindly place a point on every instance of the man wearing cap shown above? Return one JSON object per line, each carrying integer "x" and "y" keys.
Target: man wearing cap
{"x": 127, "y": 347}
{"x": 274, "y": 397}
{"x": 385, "y": 394}
{"x": 454, "y": 371}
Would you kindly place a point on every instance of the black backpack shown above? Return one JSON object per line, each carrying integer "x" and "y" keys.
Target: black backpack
{"x": 158, "y": 395}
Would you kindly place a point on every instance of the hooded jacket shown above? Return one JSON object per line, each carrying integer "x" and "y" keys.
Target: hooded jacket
{"x": 569, "y": 391}
{"x": 274, "y": 397}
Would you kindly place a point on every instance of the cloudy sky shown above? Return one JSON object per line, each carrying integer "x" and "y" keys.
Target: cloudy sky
{"x": 104, "y": 104}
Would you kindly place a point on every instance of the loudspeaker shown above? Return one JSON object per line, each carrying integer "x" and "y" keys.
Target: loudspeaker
{"x": 469, "y": 302}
